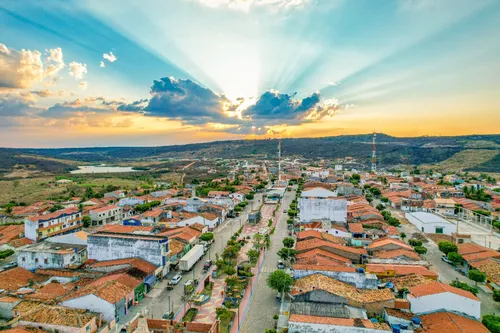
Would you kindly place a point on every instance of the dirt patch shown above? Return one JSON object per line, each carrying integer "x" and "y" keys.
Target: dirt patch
{"x": 436, "y": 238}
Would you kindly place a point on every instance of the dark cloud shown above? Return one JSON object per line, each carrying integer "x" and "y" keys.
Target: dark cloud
{"x": 15, "y": 105}
{"x": 133, "y": 107}
{"x": 187, "y": 101}
{"x": 71, "y": 108}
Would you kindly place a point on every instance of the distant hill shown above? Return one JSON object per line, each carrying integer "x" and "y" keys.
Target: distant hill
{"x": 391, "y": 150}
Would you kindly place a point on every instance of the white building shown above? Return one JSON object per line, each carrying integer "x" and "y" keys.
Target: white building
{"x": 430, "y": 223}
{"x": 440, "y": 296}
{"x": 238, "y": 196}
{"x": 105, "y": 215}
{"x": 57, "y": 223}
{"x": 51, "y": 255}
{"x": 118, "y": 194}
{"x": 321, "y": 204}
{"x": 131, "y": 201}
{"x": 314, "y": 324}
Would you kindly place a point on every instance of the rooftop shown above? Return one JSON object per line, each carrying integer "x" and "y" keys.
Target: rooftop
{"x": 387, "y": 241}
{"x": 449, "y": 322}
{"x": 54, "y": 215}
{"x": 439, "y": 288}
{"x": 141, "y": 264}
{"x": 55, "y": 248}
{"x": 425, "y": 218}
{"x": 398, "y": 253}
{"x": 15, "y": 278}
{"x": 59, "y": 315}
{"x": 350, "y": 322}
{"x": 400, "y": 269}
{"x": 315, "y": 243}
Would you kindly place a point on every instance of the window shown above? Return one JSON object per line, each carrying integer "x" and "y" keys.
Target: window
{"x": 36, "y": 259}
{"x": 422, "y": 229}
{"x": 439, "y": 230}
{"x": 23, "y": 259}
{"x": 45, "y": 261}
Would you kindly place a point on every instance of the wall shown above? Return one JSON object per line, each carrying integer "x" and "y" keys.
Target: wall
{"x": 359, "y": 280}
{"x": 104, "y": 248}
{"x": 319, "y": 209}
{"x": 296, "y": 327}
{"x": 30, "y": 229}
{"x": 448, "y": 301}
{"x": 53, "y": 260}
{"x": 92, "y": 303}
{"x": 6, "y": 309}
{"x": 320, "y": 296}
{"x": 430, "y": 228}
{"x": 63, "y": 329}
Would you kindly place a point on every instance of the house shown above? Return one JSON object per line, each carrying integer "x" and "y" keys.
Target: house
{"x": 15, "y": 278}
{"x": 328, "y": 227}
{"x": 354, "y": 254}
{"x": 57, "y": 223}
{"x": 472, "y": 253}
{"x": 131, "y": 201}
{"x": 118, "y": 194}
{"x": 153, "y": 217}
{"x": 440, "y": 296}
{"x": 399, "y": 254}
{"x": 430, "y": 223}
{"x": 321, "y": 257}
{"x": 322, "y": 204}
{"x": 120, "y": 242}
{"x": 490, "y": 267}
{"x": 316, "y": 234}
{"x": 450, "y": 322}
{"x": 345, "y": 274}
{"x": 109, "y": 297}
{"x": 61, "y": 319}
{"x": 316, "y": 324}
{"x": 318, "y": 288}
{"x": 444, "y": 206}
{"x": 238, "y": 196}
{"x": 9, "y": 233}
{"x": 383, "y": 270}
{"x": 51, "y": 255}
{"x": 218, "y": 194}
{"x": 7, "y": 305}
{"x": 106, "y": 215}
{"x": 387, "y": 244}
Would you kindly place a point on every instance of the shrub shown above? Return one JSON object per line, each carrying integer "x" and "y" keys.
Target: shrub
{"x": 455, "y": 257}
{"x": 414, "y": 242}
{"x": 464, "y": 286}
{"x": 492, "y": 323}
{"x": 229, "y": 270}
{"x": 447, "y": 247}
{"x": 420, "y": 249}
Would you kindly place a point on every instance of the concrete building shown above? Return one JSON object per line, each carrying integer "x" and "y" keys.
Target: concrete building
{"x": 51, "y": 255}
{"x": 118, "y": 194}
{"x": 60, "y": 222}
{"x": 445, "y": 206}
{"x": 106, "y": 215}
{"x": 440, "y": 296}
{"x": 430, "y": 223}
{"x": 130, "y": 242}
{"x": 320, "y": 204}
{"x": 315, "y": 324}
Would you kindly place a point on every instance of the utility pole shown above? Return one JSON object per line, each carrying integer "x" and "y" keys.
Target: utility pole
{"x": 374, "y": 154}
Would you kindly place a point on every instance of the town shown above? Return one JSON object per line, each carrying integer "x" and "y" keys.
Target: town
{"x": 276, "y": 245}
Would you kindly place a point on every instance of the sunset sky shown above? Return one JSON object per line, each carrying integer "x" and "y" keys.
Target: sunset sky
{"x": 160, "y": 72}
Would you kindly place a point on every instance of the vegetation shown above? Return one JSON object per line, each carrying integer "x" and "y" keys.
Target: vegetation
{"x": 464, "y": 286}
{"x": 190, "y": 314}
{"x": 477, "y": 276}
{"x": 253, "y": 256}
{"x": 390, "y": 219}
{"x": 492, "y": 323}
{"x": 207, "y": 237}
{"x": 288, "y": 242}
{"x": 476, "y": 194}
{"x": 455, "y": 258}
{"x": 147, "y": 206}
{"x": 6, "y": 253}
{"x": 402, "y": 235}
{"x": 280, "y": 281}
{"x": 496, "y": 295}
{"x": 287, "y": 254}
{"x": 420, "y": 249}
{"x": 447, "y": 247}
{"x": 86, "y": 221}
{"x": 414, "y": 242}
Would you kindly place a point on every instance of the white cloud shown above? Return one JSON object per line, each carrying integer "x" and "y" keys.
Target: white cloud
{"x": 102, "y": 65}
{"x": 55, "y": 61}
{"x": 110, "y": 57}
{"x": 83, "y": 85}
{"x": 77, "y": 70}
{"x": 246, "y": 5}
{"x": 4, "y": 49}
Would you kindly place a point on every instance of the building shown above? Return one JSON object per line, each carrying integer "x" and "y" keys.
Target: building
{"x": 57, "y": 223}
{"x": 430, "y": 223}
{"x": 316, "y": 324}
{"x": 51, "y": 255}
{"x": 61, "y": 319}
{"x": 444, "y": 321}
{"x": 444, "y": 206}
{"x": 120, "y": 242}
{"x": 321, "y": 204}
{"x": 106, "y": 215}
{"x": 385, "y": 270}
{"x": 440, "y": 296}
{"x": 353, "y": 254}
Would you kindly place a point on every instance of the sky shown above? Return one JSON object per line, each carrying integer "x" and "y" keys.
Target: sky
{"x": 161, "y": 72}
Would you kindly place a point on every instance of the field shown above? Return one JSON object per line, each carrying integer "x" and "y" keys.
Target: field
{"x": 466, "y": 159}
{"x": 31, "y": 190}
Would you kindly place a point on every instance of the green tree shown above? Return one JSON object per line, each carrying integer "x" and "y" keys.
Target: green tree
{"x": 375, "y": 191}
{"x": 420, "y": 249}
{"x": 384, "y": 199}
{"x": 477, "y": 276}
{"x": 447, "y": 247}
{"x": 402, "y": 235}
{"x": 280, "y": 281}
{"x": 249, "y": 196}
{"x": 86, "y": 221}
{"x": 207, "y": 236}
{"x": 492, "y": 323}
{"x": 414, "y": 242}
{"x": 496, "y": 295}
{"x": 380, "y": 207}
{"x": 287, "y": 254}
{"x": 288, "y": 242}
{"x": 455, "y": 257}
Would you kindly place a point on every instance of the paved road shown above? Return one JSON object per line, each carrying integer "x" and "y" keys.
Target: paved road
{"x": 156, "y": 303}
{"x": 263, "y": 305}
{"x": 448, "y": 274}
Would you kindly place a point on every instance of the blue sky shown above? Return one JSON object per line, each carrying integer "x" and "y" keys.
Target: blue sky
{"x": 245, "y": 68}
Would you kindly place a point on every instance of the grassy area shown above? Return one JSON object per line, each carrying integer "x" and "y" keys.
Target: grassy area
{"x": 225, "y": 324}
{"x": 208, "y": 289}
{"x": 465, "y": 159}
{"x": 190, "y": 315}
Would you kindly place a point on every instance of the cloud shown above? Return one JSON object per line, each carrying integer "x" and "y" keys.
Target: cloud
{"x": 77, "y": 70}
{"x": 246, "y": 5}
{"x": 55, "y": 61}
{"x": 102, "y": 65}
{"x": 110, "y": 57}
{"x": 83, "y": 85}
{"x": 134, "y": 106}
{"x": 16, "y": 104}
{"x": 19, "y": 69}
{"x": 47, "y": 93}
{"x": 187, "y": 101}
{"x": 76, "y": 107}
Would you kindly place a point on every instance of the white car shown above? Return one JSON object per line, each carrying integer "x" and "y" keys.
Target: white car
{"x": 176, "y": 279}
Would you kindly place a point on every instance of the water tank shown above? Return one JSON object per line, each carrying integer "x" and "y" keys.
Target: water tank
{"x": 374, "y": 320}
{"x": 396, "y": 328}
{"x": 360, "y": 270}
{"x": 416, "y": 321}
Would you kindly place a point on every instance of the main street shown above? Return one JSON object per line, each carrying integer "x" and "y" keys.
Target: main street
{"x": 264, "y": 305}
{"x": 160, "y": 301}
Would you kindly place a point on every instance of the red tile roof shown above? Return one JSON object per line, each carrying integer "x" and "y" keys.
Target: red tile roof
{"x": 350, "y": 322}
{"x": 438, "y": 288}
{"x": 138, "y": 263}
{"x": 356, "y": 228}
{"x": 322, "y": 253}
{"x": 104, "y": 209}
{"x": 54, "y": 215}
{"x": 449, "y": 322}
{"x": 388, "y": 241}
{"x": 401, "y": 269}
{"x": 398, "y": 253}
{"x": 315, "y": 243}
{"x": 330, "y": 268}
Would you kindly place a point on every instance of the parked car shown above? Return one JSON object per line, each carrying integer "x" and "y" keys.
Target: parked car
{"x": 281, "y": 265}
{"x": 11, "y": 264}
{"x": 176, "y": 279}
{"x": 446, "y": 260}
{"x": 284, "y": 210}
{"x": 207, "y": 265}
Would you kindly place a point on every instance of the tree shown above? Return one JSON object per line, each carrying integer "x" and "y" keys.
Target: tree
{"x": 249, "y": 196}
{"x": 258, "y": 240}
{"x": 230, "y": 252}
{"x": 223, "y": 314}
{"x": 292, "y": 213}
{"x": 253, "y": 255}
{"x": 280, "y": 281}
{"x": 289, "y": 242}
{"x": 402, "y": 235}
{"x": 375, "y": 191}
{"x": 238, "y": 209}
{"x": 420, "y": 249}
{"x": 492, "y": 323}
{"x": 86, "y": 221}
{"x": 207, "y": 236}
{"x": 477, "y": 276}
{"x": 287, "y": 254}
{"x": 496, "y": 295}
{"x": 447, "y": 247}
{"x": 384, "y": 199}
{"x": 380, "y": 207}
{"x": 414, "y": 242}
{"x": 455, "y": 258}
